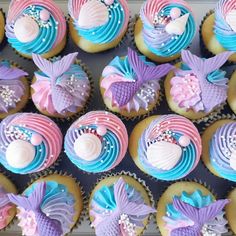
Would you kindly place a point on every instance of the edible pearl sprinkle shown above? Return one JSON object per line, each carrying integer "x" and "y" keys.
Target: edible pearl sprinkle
{"x": 8, "y": 96}
{"x": 127, "y": 225}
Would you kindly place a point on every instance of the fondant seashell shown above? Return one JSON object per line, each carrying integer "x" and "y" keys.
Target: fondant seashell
{"x": 26, "y": 29}
{"x": 233, "y": 160}
{"x": 178, "y": 25}
{"x": 164, "y": 155}
{"x": 231, "y": 19}
{"x": 93, "y": 14}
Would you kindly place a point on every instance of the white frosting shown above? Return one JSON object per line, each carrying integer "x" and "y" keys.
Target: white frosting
{"x": 233, "y": 160}
{"x": 20, "y": 153}
{"x": 231, "y": 19}
{"x": 88, "y": 147}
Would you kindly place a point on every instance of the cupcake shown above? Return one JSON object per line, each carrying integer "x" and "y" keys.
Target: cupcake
{"x": 119, "y": 205}
{"x": 219, "y": 149}
{"x": 218, "y": 29}
{"x": 14, "y": 89}
{"x": 230, "y": 210}
{"x": 232, "y": 93}
{"x": 164, "y": 28}
{"x": 29, "y": 143}
{"x": 61, "y": 88}
{"x": 198, "y": 86}
{"x": 36, "y": 26}
{"x": 7, "y": 209}
{"x": 189, "y": 208}
{"x": 167, "y": 147}
{"x": 96, "y": 142}
{"x": 2, "y": 26}
{"x": 130, "y": 84}
{"x": 97, "y": 25}
{"x": 50, "y": 206}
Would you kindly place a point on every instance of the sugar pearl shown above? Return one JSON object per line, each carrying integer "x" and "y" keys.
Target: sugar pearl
{"x": 184, "y": 141}
{"x": 36, "y": 139}
{"x": 175, "y": 13}
{"x": 44, "y": 15}
{"x": 101, "y": 130}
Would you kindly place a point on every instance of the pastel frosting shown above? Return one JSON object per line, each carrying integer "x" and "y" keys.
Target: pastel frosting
{"x": 99, "y": 21}
{"x": 29, "y": 143}
{"x": 131, "y": 82}
{"x": 169, "y": 148}
{"x": 11, "y": 87}
{"x": 61, "y": 85}
{"x": 199, "y": 84}
{"x": 210, "y": 221}
{"x": 168, "y": 26}
{"x": 118, "y": 209}
{"x": 223, "y": 151}
{"x": 102, "y": 144}
{"x": 35, "y": 26}
{"x": 225, "y": 26}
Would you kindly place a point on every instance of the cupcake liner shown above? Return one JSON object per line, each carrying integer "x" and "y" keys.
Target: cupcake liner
{"x": 4, "y": 41}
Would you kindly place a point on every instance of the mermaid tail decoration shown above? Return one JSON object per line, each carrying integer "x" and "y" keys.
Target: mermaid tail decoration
{"x": 11, "y": 73}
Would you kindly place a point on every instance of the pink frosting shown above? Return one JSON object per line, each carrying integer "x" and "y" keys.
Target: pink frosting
{"x": 4, "y": 215}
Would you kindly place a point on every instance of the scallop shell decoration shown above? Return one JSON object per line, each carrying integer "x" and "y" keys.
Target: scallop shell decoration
{"x": 233, "y": 160}
{"x": 231, "y": 19}
{"x": 164, "y": 155}
{"x": 93, "y": 14}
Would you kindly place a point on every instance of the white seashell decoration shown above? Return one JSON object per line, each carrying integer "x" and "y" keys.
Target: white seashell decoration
{"x": 93, "y": 14}
{"x": 178, "y": 25}
{"x": 231, "y": 19}
{"x": 232, "y": 160}
{"x": 164, "y": 155}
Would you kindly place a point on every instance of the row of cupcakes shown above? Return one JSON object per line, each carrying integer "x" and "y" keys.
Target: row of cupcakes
{"x": 120, "y": 204}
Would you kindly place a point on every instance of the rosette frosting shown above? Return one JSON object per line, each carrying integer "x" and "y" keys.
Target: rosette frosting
{"x": 35, "y": 26}
{"x": 61, "y": 86}
{"x": 131, "y": 82}
{"x": 99, "y": 21}
{"x": 170, "y": 147}
{"x": 199, "y": 84}
{"x": 96, "y": 142}
{"x": 29, "y": 143}
{"x": 223, "y": 151}
{"x": 168, "y": 26}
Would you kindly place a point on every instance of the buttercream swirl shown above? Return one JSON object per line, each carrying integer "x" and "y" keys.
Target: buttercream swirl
{"x": 110, "y": 29}
{"x": 170, "y": 129}
{"x": 156, "y": 15}
{"x": 29, "y": 143}
{"x": 46, "y": 34}
{"x": 113, "y": 141}
{"x": 223, "y": 149}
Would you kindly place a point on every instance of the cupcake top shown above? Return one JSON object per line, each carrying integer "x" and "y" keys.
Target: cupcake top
{"x": 195, "y": 214}
{"x": 168, "y": 26}
{"x": 96, "y": 142}
{"x": 199, "y": 84}
{"x": 223, "y": 151}
{"x": 99, "y": 21}
{"x": 170, "y": 147}
{"x": 29, "y": 143}
{"x": 131, "y": 82}
{"x": 225, "y": 24}
{"x": 118, "y": 209}
{"x": 61, "y": 85}
{"x": 35, "y": 26}
{"x": 12, "y": 88}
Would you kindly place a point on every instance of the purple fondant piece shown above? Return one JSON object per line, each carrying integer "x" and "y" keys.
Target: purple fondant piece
{"x": 10, "y": 73}
{"x": 46, "y": 225}
{"x": 124, "y": 91}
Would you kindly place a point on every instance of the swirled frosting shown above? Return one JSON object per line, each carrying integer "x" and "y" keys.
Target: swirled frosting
{"x": 35, "y": 26}
{"x": 168, "y": 26}
{"x": 176, "y": 220}
{"x": 99, "y": 21}
{"x": 111, "y": 132}
{"x": 61, "y": 86}
{"x": 29, "y": 143}
{"x": 223, "y": 151}
{"x": 58, "y": 204}
{"x": 225, "y": 26}
{"x": 170, "y": 147}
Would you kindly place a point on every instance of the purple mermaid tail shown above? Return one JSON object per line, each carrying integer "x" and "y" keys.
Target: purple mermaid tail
{"x": 11, "y": 73}
{"x": 46, "y": 226}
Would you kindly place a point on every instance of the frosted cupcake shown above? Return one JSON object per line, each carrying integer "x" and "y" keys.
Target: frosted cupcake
{"x": 2, "y": 26}
{"x": 96, "y": 142}
{"x": 14, "y": 89}
{"x": 189, "y": 208}
{"x": 61, "y": 88}
{"x": 230, "y": 210}
{"x": 97, "y": 25}
{"x": 167, "y": 147}
{"x": 164, "y": 28}
{"x": 130, "y": 84}
{"x": 219, "y": 149}
{"x": 29, "y": 143}
{"x": 198, "y": 86}
{"x": 36, "y": 26}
